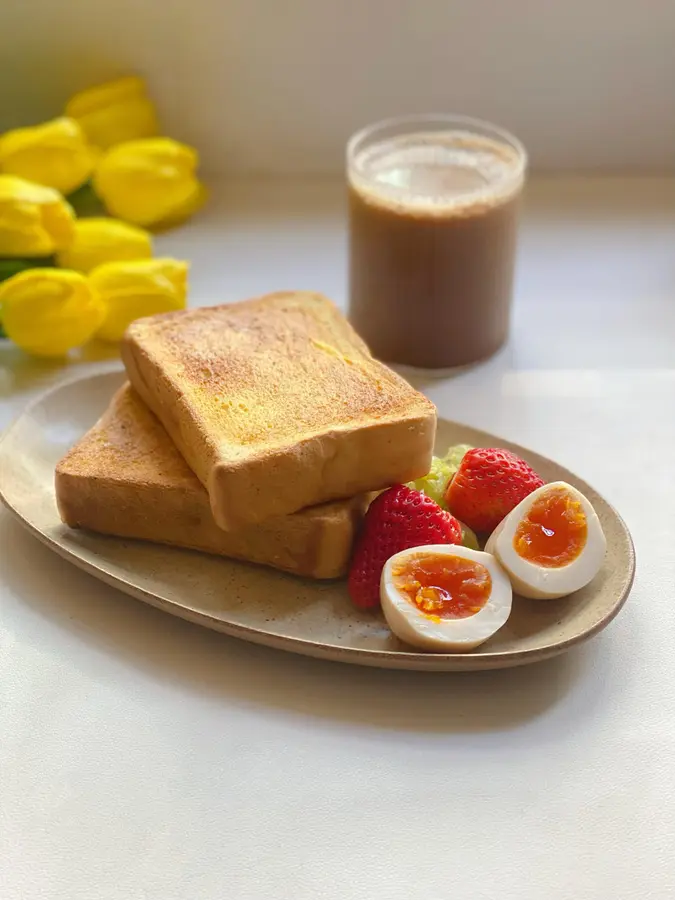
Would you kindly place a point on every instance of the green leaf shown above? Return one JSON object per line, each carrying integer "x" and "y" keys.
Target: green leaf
{"x": 10, "y": 267}
{"x": 443, "y": 469}
{"x": 85, "y": 202}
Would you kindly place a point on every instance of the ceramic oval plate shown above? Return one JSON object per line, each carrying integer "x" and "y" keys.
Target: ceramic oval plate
{"x": 268, "y": 607}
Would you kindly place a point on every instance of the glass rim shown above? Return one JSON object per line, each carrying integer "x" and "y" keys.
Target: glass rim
{"x": 441, "y": 119}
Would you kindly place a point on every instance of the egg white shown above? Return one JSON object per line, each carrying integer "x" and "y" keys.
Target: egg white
{"x": 445, "y": 635}
{"x": 542, "y": 582}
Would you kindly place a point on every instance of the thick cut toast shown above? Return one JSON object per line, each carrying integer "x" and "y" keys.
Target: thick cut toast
{"x": 126, "y": 478}
{"x": 277, "y": 404}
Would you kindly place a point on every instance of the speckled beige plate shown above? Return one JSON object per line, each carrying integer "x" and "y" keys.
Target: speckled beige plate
{"x": 260, "y": 605}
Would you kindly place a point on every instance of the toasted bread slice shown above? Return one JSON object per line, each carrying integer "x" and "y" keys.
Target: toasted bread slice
{"x": 277, "y": 404}
{"x": 126, "y": 478}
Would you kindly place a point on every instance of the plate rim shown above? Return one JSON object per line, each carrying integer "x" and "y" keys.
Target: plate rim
{"x": 392, "y": 659}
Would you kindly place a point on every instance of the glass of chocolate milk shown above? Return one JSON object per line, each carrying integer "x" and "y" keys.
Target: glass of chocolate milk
{"x": 433, "y": 204}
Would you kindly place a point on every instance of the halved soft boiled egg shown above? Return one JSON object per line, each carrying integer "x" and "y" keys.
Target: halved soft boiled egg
{"x": 551, "y": 544}
{"x": 444, "y": 597}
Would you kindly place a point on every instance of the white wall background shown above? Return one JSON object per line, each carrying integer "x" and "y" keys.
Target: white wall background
{"x": 276, "y": 86}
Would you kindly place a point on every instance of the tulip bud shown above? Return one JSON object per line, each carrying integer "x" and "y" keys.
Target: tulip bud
{"x": 132, "y": 290}
{"x": 149, "y": 182}
{"x": 115, "y": 112}
{"x": 55, "y": 154}
{"x": 98, "y": 241}
{"x": 46, "y": 312}
{"x": 34, "y": 220}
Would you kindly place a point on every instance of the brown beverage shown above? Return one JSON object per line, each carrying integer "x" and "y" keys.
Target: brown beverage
{"x": 433, "y": 216}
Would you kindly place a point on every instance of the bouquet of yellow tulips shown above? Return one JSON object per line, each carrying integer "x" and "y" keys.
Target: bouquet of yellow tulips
{"x": 65, "y": 280}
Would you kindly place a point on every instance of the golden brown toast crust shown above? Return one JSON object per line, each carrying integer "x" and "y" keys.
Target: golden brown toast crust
{"x": 125, "y": 478}
{"x": 277, "y": 404}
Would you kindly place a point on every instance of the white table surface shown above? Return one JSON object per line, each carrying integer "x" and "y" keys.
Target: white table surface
{"x": 142, "y": 758}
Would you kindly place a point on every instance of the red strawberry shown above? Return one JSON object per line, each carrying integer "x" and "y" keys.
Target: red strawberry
{"x": 487, "y": 486}
{"x": 397, "y": 519}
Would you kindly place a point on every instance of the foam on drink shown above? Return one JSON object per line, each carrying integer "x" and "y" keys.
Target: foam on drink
{"x": 446, "y": 173}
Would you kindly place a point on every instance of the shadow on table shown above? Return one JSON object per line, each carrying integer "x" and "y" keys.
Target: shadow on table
{"x": 207, "y": 663}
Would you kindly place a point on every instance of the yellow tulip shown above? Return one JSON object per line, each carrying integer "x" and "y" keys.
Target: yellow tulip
{"x": 34, "y": 220}
{"x": 55, "y": 154}
{"x": 150, "y": 183}
{"x": 46, "y": 312}
{"x": 115, "y": 112}
{"x": 132, "y": 290}
{"x": 98, "y": 241}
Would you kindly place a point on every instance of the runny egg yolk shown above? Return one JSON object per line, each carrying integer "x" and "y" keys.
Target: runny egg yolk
{"x": 443, "y": 587}
{"x": 553, "y": 532}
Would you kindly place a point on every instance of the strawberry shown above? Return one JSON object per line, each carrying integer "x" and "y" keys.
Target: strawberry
{"x": 487, "y": 486}
{"x": 397, "y": 519}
